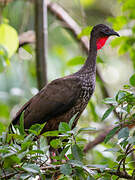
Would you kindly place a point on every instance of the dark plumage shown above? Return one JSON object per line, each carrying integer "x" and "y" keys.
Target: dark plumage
{"x": 64, "y": 97}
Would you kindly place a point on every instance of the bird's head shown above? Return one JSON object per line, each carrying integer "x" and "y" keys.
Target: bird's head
{"x": 101, "y": 33}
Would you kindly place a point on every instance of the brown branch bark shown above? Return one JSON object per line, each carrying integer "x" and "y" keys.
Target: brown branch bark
{"x": 27, "y": 38}
{"x": 97, "y": 140}
{"x": 120, "y": 174}
{"x": 101, "y": 137}
{"x": 41, "y": 42}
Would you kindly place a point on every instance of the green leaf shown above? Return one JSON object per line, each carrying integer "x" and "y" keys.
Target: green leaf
{"x": 78, "y": 60}
{"x": 28, "y": 48}
{"x": 123, "y": 133}
{"x": 64, "y": 178}
{"x": 132, "y": 80}
{"x": 124, "y": 143}
{"x": 87, "y": 129}
{"x": 132, "y": 140}
{"x": 111, "y": 134}
{"x": 126, "y": 86}
{"x": 72, "y": 121}
{"x": 7, "y": 155}
{"x": 4, "y": 150}
{"x": 17, "y": 137}
{"x": 51, "y": 133}
{"x": 26, "y": 145}
{"x": 30, "y": 137}
{"x": 107, "y": 113}
{"x": 79, "y": 164}
{"x": 21, "y": 127}
{"x": 35, "y": 151}
{"x": 66, "y": 169}
{"x": 62, "y": 154}
{"x": 55, "y": 143}
{"x": 120, "y": 95}
{"x": 31, "y": 168}
{"x": 90, "y": 178}
{"x": 2, "y": 128}
{"x": 77, "y": 152}
{"x": 9, "y": 38}
{"x": 118, "y": 22}
{"x": 10, "y": 160}
{"x": 24, "y": 176}
{"x": 2, "y": 66}
{"x": 4, "y": 60}
{"x": 64, "y": 127}
{"x": 109, "y": 101}
{"x": 128, "y": 5}
{"x": 85, "y": 32}
{"x": 35, "y": 129}
{"x": 120, "y": 157}
{"x": 3, "y": 52}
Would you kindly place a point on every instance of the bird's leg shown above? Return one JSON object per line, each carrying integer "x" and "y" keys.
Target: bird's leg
{"x": 53, "y": 154}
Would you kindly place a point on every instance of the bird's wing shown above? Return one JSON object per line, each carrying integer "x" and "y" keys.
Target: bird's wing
{"x": 53, "y": 100}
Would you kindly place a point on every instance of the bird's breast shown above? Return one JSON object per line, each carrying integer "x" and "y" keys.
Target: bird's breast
{"x": 87, "y": 90}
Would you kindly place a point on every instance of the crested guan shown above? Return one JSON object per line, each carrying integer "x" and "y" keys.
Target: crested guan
{"x": 61, "y": 99}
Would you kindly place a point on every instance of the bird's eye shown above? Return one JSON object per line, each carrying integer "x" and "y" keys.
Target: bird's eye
{"x": 106, "y": 30}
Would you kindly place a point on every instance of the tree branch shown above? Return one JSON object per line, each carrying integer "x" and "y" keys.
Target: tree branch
{"x": 27, "y": 38}
{"x": 101, "y": 137}
{"x": 97, "y": 140}
{"x": 120, "y": 174}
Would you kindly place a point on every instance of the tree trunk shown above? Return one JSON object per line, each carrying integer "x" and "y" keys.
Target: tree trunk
{"x": 41, "y": 41}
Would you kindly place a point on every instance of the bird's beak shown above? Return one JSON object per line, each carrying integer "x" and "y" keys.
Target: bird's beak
{"x": 113, "y": 33}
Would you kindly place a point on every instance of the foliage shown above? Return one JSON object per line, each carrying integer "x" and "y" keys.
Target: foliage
{"x": 23, "y": 157}
{"x": 126, "y": 43}
{"x": 9, "y": 38}
{"x": 85, "y": 31}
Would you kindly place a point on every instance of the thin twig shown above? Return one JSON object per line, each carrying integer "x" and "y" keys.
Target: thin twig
{"x": 120, "y": 174}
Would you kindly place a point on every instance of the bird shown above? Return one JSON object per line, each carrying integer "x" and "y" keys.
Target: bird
{"x": 61, "y": 99}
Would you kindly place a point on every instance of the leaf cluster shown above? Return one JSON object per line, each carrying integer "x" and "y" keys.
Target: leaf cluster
{"x": 125, "y": 43}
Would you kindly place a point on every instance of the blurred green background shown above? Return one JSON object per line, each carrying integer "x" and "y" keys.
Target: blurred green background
{"x": 18, "y": 74}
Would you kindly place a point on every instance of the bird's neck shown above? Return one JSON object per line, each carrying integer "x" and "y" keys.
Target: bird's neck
{"x": 90, "y": 63}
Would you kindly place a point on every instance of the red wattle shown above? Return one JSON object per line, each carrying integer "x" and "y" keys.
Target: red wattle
{"x": 101, "y": 42}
